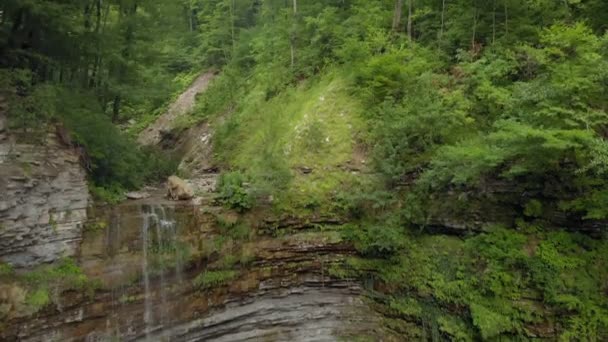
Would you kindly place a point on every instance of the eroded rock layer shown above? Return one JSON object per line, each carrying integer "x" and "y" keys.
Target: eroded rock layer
{"x": 43, "y": 199}
{"x": 168, "y": 273}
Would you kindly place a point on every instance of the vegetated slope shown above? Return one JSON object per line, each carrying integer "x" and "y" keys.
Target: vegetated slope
{"x": 304, "y": 141}
{"x": 493, "y": 134}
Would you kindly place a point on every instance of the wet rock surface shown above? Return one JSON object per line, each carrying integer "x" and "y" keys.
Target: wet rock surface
{"x": 149, "y": 259}
{"x": 304, "y": 313}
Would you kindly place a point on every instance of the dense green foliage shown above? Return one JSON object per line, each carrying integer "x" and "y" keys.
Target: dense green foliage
{"x": 503, "y": 283}
{"x": 485, "y": 119}
{"x": 419, "y": 116}
{"x": 89, "y": 65}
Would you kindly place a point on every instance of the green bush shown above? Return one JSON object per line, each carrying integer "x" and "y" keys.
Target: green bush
{"x": 232, "y": 191}
{"x": 376, "y": 240}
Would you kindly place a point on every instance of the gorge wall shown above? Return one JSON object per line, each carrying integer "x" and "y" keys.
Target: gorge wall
{"x": 169, "y": 272}
{"x": 43, "y": 201}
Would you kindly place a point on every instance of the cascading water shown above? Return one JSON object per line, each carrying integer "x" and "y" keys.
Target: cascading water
{"x": 147, "y": 235}
{"x": 157, "y": 251}
{"x": 146, "y": 277}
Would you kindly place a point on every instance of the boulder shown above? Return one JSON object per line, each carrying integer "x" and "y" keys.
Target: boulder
{"x": 178, "y": 189}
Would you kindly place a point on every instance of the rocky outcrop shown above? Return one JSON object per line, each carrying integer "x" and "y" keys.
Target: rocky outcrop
{"x": 309, "y": 312}
{"x": 43, "y": 201}
{"x": 277, "y": 289}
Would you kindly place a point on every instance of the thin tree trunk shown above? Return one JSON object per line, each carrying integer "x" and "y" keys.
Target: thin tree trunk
{"x": 506, "y": 18}
{"x": 84, "y": 60}
{"x": 474, "y": 29}
{"x": 100, "y": 72}
{"x": 409, "y": 19}
{"x": 116, "y": 108}
{"x": 232, "y": 9}
{"x": 97, "y": 58}
{"x": 293, "y": 38}
{"x": 442, "y": 19}
{"x": 19, "y": 18}
{"x": 493, "y": 21}
{"x": 87, "y": 15}
{"x": 129, "y": 13}
{"x": 397, "y": 15}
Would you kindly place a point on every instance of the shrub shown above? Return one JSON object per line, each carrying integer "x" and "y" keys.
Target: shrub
{"x": 376, "y": 240}
{"x": 232, "y": 191}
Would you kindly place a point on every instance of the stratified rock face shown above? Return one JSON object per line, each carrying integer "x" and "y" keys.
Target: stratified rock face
{"x": 309, "y": 312}
{"x": 43, "y": 200}
{"x": 151, "y": 289}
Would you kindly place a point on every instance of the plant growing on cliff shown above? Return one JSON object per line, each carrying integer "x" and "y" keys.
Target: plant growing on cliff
{"x": 233, "y": 193}
{"x": 47, "y": 282}
{"x": 211, "y": 279}
{"x": 6, "y": 269}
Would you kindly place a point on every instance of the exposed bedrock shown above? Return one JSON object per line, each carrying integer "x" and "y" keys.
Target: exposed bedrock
{"x": 164, "y": 278}
{"x": 43, "y": 200}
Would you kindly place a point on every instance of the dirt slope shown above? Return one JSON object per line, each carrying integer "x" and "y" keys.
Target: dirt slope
{"x": 184, "y": 103}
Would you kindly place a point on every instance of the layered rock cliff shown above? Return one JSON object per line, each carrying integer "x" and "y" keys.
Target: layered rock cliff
{"x": 43, "y": 201}
{"x": 174, "y": 273}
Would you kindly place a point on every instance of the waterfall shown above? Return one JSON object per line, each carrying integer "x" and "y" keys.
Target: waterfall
{"x": 159, "y": 246}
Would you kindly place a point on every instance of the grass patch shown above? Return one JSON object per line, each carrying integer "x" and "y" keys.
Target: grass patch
{"x": 45, "y": 283}
{"x": 211, "y": 279}
{"x": 294, "y": 146}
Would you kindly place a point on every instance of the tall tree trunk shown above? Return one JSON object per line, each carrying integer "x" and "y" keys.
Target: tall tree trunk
{"x": 100, "y": 65}
{"x": 474, "y": 30}
{"x": 116, "y": 108}
{"x": 292, "y": 39}
{"x": 397, "y": 15}
{"x": 87, "y": 15}
{"x": 506, "y": 18}
{"x": 232, "y": 19}
{"x": 84, "y": 61}
{"x": 18, "y": 19}
{"x": 97, "y": 57}
{"x": 442, "y": 19}
{"x": 190, "y": 18}
{"x": 410, "y": 12}
{"x": 493, "y": 21}
{"x": 129, "y": 11}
